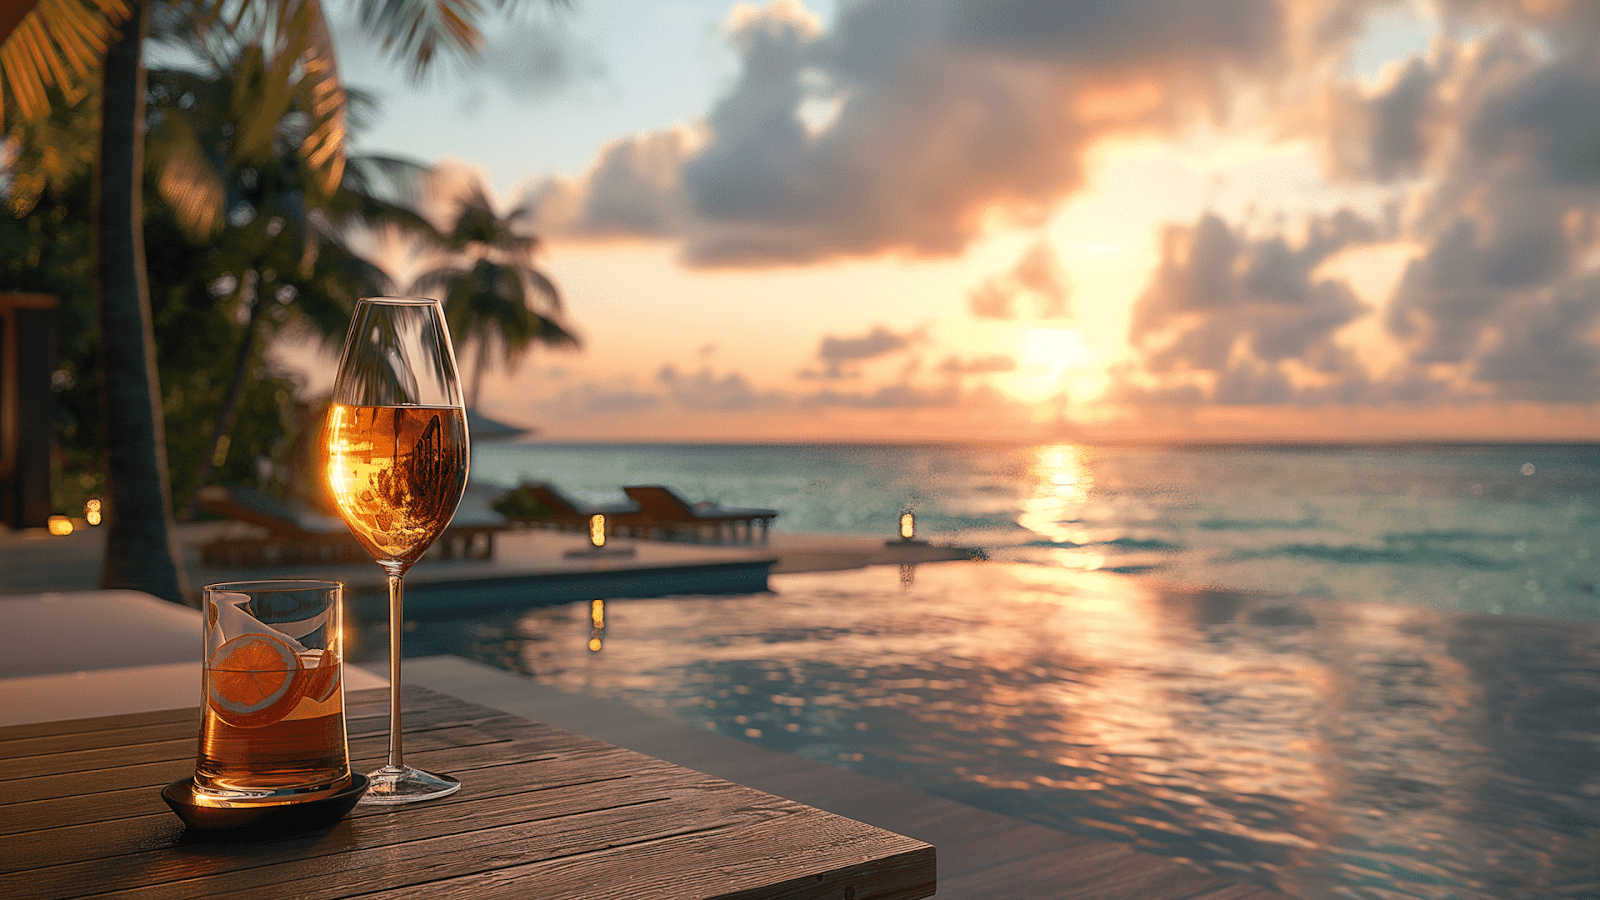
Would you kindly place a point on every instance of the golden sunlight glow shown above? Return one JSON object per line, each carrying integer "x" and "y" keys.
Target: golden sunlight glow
{"x": 1055, "y": 364}
{"x": 1057, "y": 349}
{"x": 1061, "y": 485}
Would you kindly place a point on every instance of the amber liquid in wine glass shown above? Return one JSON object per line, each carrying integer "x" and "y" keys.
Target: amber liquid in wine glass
{"x": 397, "y": 467}
{"x": 399, "y": 474}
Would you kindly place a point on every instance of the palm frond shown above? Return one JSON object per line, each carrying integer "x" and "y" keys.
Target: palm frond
{"x": 393, "y": 179}
{"x": 58, "y": 44}
{"x": 417, "y": 32}
{"x": 188, "y": 179}
{"x": 323, "y": 98}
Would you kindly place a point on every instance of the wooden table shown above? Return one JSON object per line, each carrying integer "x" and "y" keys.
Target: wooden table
{"x": 542, "y": 813}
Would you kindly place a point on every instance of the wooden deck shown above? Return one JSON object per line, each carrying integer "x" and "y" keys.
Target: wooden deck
{"x": 543, "y": 813}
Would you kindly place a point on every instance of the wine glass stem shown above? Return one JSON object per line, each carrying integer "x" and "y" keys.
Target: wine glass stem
{"x": 396, "y": 623}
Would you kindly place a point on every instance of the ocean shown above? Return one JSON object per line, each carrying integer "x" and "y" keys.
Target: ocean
{"x": 1344, "y": 672}
{"x": 1501, "y": 529}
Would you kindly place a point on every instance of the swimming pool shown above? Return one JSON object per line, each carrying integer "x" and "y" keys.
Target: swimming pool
{"x": 1332, "y": 750}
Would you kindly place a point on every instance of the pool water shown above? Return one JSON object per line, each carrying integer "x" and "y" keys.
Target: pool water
{"x": 1331, "y": 750}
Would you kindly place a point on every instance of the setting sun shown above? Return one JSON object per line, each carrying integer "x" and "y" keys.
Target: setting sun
{"x": 1057, "y": 349}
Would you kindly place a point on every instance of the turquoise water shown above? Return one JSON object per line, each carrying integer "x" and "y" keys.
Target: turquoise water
{"x": 1359, "y": 672}
{"x": 1495, "y": 529}
{"x": 1332, "y": 750}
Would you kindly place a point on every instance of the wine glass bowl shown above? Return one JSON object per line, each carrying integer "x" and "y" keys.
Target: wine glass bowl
{"x": 398, "y": 455}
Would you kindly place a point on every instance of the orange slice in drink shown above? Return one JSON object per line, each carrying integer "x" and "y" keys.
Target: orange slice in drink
{"x": 320, "y": 679}
{"x": 254, "y": 680}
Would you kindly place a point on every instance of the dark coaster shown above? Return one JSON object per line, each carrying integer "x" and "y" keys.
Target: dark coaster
{"x": 265, "y": 818}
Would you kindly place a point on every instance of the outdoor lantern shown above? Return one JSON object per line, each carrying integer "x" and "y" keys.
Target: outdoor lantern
{"x": 597, "y": 546}
{"x": 91, "y": 511}
{"x": 908, "y": 526}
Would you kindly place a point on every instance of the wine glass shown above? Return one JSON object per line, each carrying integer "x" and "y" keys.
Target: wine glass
{"x": 397, "y": 466}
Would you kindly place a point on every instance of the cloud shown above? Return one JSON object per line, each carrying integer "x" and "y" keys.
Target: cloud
{"x": 591, "y": 397}
{"x": 903, "y": 395}
{"x": 674, "y": 392}
{"x": 838, "y": 354}
{"x": 1488, "y": 150}
{"x": 982, "y": 365}
{"x": 877, "y": 342}
{"x": 908, "y": 125}
{"x": 1232, "y": 319}
{"x": 1501, "y": 296}
{"x": 539, "y": 59}
{"x": 705, "y": 390}
{"x": 633, "y": 190}
{"x": 1037, "y": 275}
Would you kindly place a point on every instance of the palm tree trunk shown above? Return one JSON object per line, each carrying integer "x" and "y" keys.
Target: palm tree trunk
{"x": 479, "y": 363}
{"x": 141, "y": 550}
{"x": 230, "y": 405}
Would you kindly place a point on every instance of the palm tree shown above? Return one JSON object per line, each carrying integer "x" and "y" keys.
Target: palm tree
{"x": 231, "y": 140}
{"x": 494, "y": 296}
{"x": 68, "y": 42}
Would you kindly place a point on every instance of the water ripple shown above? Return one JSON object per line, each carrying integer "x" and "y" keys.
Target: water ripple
{"x": 1332, "y": 750}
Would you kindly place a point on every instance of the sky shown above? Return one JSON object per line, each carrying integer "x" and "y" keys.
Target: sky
{"x": 1037, "y": 220}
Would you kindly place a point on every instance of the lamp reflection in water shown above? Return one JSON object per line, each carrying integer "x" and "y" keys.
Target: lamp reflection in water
{"x": 908, "y": 576}
{"x": 597, "y": 618}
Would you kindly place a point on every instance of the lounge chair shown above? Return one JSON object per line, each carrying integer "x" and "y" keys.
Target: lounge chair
{"x": 541, "y": 504}
{"x": 299, "y": 535}
{"x": 667, "y": 513}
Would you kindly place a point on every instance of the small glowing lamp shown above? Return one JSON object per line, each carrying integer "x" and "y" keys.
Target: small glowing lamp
{"x": 908, "y": 526}
{"x": 59, "y": 525}
{"x": 92, "y": 510}
{"x": 597, "y": 542}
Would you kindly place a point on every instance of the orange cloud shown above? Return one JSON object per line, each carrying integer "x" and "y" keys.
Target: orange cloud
{"x": 935, "y": 116}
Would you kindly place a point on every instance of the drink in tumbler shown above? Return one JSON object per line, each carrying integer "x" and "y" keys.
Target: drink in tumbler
{"x": 272, "y": 727}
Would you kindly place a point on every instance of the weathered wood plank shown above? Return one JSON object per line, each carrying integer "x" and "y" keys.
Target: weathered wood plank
{"x": 33, "y": 730}
{"x": 102, "y": 806}
{"x": 544, "y": 813}
{"x": 513, "y": 769}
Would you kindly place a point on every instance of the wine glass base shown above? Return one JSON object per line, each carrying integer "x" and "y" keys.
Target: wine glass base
{"x": 403, "y": 784}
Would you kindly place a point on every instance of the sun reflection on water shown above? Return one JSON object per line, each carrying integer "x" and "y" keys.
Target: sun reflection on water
{"x": 1061, "y": 484}
{"x": 1334, "y": 751}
